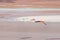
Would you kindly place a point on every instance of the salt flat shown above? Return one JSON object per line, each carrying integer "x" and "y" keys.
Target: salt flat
{"x": 29, "y": 31}
{"x": 33, "y": 31}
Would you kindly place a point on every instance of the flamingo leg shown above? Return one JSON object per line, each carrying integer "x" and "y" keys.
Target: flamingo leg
{"x": 43, "y": 22}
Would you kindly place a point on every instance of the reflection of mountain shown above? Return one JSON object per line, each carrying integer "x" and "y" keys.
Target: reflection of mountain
{"x": 8, "y": 1}
{"x": 30, "y": 3}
